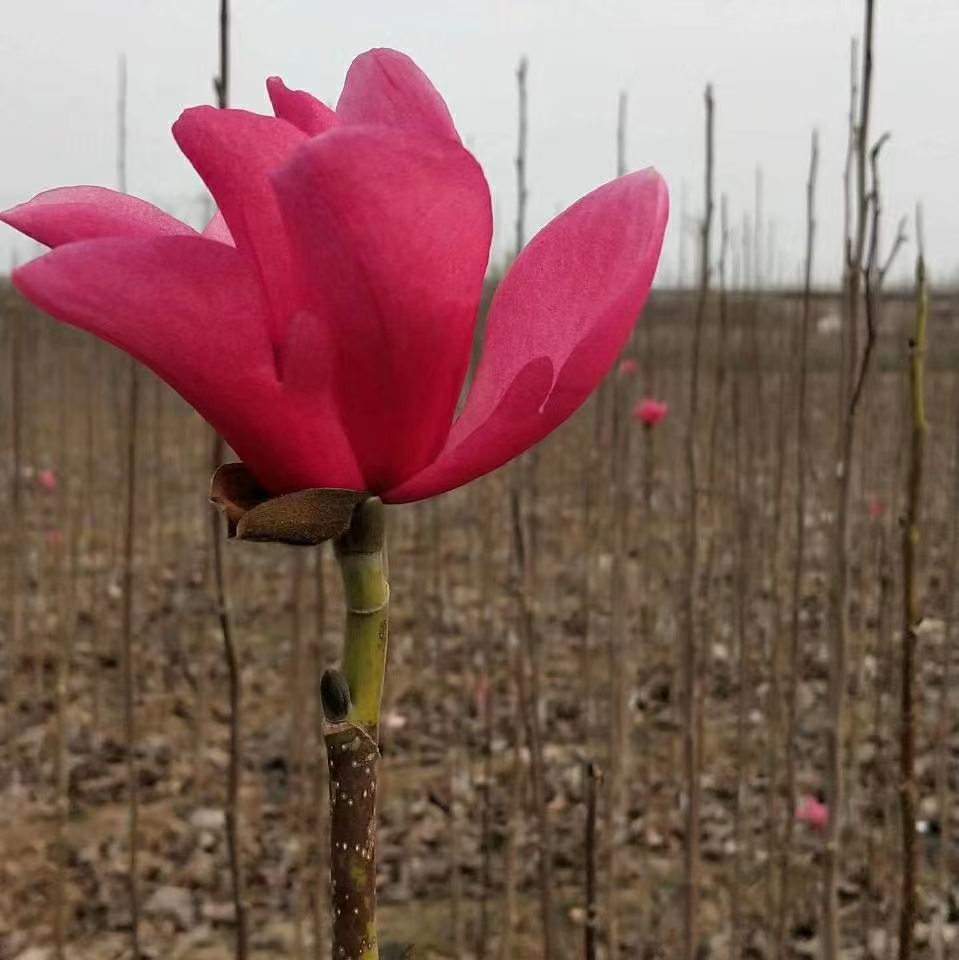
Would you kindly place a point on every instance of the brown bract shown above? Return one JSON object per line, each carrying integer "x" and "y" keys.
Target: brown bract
{"x": 305, "y": 518}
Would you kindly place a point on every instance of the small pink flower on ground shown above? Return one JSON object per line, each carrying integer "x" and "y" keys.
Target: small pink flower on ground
{"x": 650, "y": 412}
{"x": 48, "y": 480}
{"x": 628, "y": 368}
{"x": 481, "y": 691}
{"x": 876, "y": 509}
{"x": 323, "y": 321}
{"x": 394, "y": 720}
{"x": 813, "y": 813}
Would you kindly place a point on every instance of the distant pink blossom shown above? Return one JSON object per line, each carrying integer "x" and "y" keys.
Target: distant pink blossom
{"x": 876, "y": 509}
{"x": 54, "y": 538}
{"x": 813, "y": 813}
{"x": 628, "y": 368}
{"x": 650, "y": 412}
{"x": 48, "y": 480}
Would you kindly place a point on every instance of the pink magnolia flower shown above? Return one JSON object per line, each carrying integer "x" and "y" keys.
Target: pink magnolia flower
{"x": 323, "y": 321}
{"x": 48, "y": 480}
{"x": 813, "y": 813}
{"x": 628, "y": 368}
{"x": 650, "y": 412}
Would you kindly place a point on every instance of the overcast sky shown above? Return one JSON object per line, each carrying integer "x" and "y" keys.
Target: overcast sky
{"x": 779, "y": 68}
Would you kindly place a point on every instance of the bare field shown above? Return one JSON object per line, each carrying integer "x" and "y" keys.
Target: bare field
{"x": 458, "y": 821}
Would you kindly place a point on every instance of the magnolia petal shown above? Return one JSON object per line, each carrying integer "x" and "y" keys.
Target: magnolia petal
{"x": 385, "y": 87}
{"x": 234, "y": 151}
{"x": 571, "y": 298}
{"x": 72, "y": 214}
{"x": 300, "y": 108}
{"x": 390, "y": 233}
{"x": 491, "y": 442}
{"x": 217, "y": 230}
{"x": 192, "y": 311}
{"x": 173, "y": 303}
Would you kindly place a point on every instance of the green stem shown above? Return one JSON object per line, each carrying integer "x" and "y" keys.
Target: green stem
{"x": 351, "y": 703}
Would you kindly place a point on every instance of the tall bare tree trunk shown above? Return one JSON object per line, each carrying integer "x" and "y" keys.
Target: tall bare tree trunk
{"x": 857, "y": 368}
{"x": 691, "y": 679}
{"x": 802, "y": 472}
{"x": 911, "y": 617}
